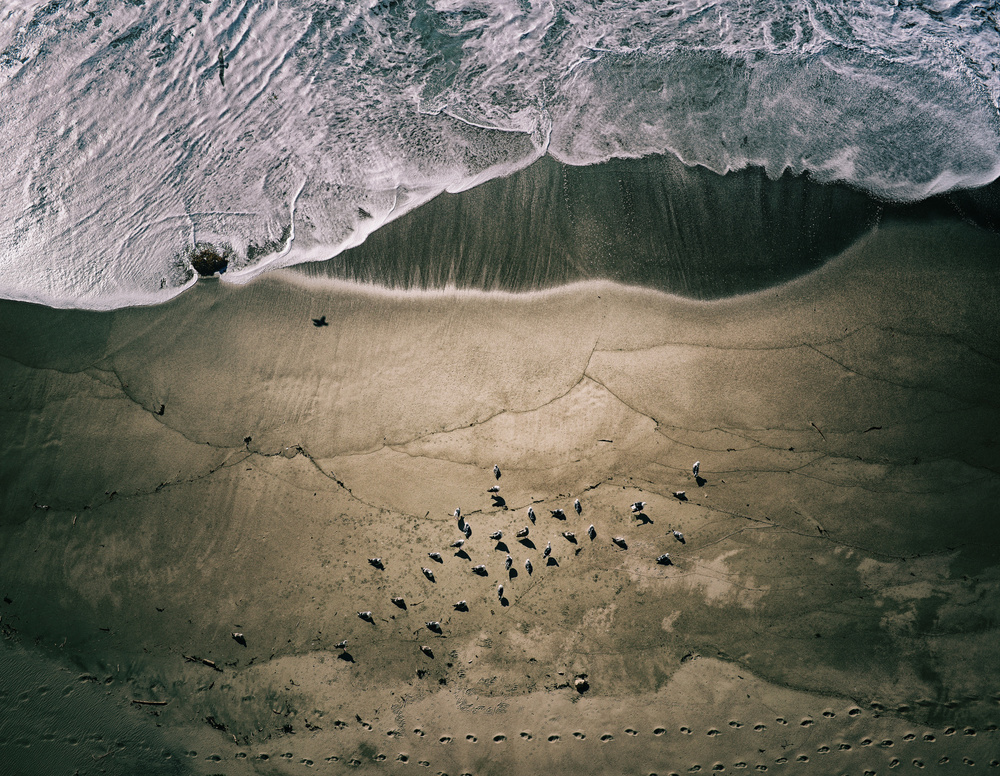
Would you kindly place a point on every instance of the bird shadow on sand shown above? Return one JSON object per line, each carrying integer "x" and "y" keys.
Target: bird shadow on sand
{"x": 643, "y": 518}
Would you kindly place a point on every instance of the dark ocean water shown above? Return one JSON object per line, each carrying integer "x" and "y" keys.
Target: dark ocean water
{"x": 279, "y": 133}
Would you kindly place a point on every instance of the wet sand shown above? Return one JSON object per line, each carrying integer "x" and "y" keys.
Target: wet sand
{"x": 217, "y": 464}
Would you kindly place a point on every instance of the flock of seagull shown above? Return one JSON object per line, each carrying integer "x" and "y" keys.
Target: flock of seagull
{"x": 522, "y": 535}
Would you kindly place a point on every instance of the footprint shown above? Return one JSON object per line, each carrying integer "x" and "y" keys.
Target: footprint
{"x": 760, "y": 767}
{"x": 829, "y": 714}
{"x": 949, "y": 731}
{"x": 866, "y": 742}
{"x": 969, "y": 732}
{"x": 499, "y": 738}
{"x": 918, "y": 764}
{"x": 854, "y": 712}
{"x": 781, "y": 721}
{"x": 309, "y": 763}
{"x": 333, "y": 758}
{"x": 886, "y": 744}
{"x": 423, "y": 763}
{"x": 967, "y": 761}
{"x": 445, "y": 739}
{"x": 553, "y": 738}
{"x": 760, "y": 728}
{"x": 471, "y": 738}
{"x": 380, "y": 758}
{"x": 403, "y": 758}
{"x": 526, "y": 735}
{"x": 943, "y": 761}
{"x": 686, "y": 730}
{"x": 802, "y": 758}
{"x": 694, "y": 769}
{"x": 659, "y": 731}
{"x": 894, "y": 762}
{"x": 713, "y": 733}
{"x": 807, "y": 722}
{"x": 419, "y": 732}
{"x": 734, "y": 724}
{"x": 781, "y": 760}
{"x": 929, "y": 738}
{"x": 844, "y": 747}
{"x": 579, "y": 735}
{"x": 740, "y": 765}
{"x": 909, "y": 736}
{"x": 823, "y": 750}
{"x": 607, "y": 737}
{"x": 631, "y": 732}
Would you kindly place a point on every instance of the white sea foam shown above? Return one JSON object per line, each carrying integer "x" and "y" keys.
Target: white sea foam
{"x": 121, "y": 149}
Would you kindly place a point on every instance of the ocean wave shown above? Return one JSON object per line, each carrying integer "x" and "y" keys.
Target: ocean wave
{"x": 138, "y": 136}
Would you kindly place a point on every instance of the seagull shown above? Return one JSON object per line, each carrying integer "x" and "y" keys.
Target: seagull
{"x": 592, "y": 533}
{"x": 577, "y": 507}
{"x": 508, "y": 563}
{"x": 462, "y": 606}
{"x": 696, "y": 468}
{"x": 496, "y": 472}
{"x": 680, "y": 495}
{"x": 428, "y": 573}
{"x": 570, "y": 536}
{"x": 366, "y": 616}
{"x": 341, "y": 644}
{"x": 480, "y": 570}
{"x": 467, "y": 530}
{"x": 433, "y": 625}
{"x": 239, "y": 638}
{"x": 398, "y": 600}
{"x": 620, "y": 541}
{"x": 376, "y": 562}
{"x": 558, "y": 514}
{"x": 427, "y": 651}
{"x": 500, "y": 592}
{"x": 496, "y": 535}
{"x": 522, "y": 533}
{"x": 435, "y": 556}
{"x": 638, "y": 505}
{"x": 531, "y": 515}
{"x": 458, "y": 544}
{"x": 547, "y": 551}
{"x": 678, "y": 536}
{"x": 457, "y": 513}
{"x": 664, "y": 560}
{"x": 527, "y": 565}
{"x": 321, "y": 321}
{"x": 494, "y": 489}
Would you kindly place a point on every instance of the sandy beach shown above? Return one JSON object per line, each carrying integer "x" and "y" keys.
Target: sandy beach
{"x": 219, "y": 464}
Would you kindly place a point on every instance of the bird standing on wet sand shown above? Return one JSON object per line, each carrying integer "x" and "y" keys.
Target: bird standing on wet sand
{"x": 577, "y": 507}
{"x": 496, "y": 471}
{"x": 531, "y": 515}
{"x": 558, "y": 514}
{"x": 500, "y": 592}
{"x": 696, "y": 468}
{"x": 461, "y": 606}
{"x": 522, "y": 533}
{"x": 341, "y": 644}
{"x": 480, "y": 570}
{"x": 508, "y": 563}
{"x": 494, "y": 489}
{"x": 496, "y": 535}
{"x": 620, "y": 541}
{"x": 428, "y": 573}
{"x": 467, "y": 530}
{"x": 664, "y": 560}
{"x": 457, "y": 513}
{"x": 547, "y": 551}
{"x": 399, "y": 601}
{"x": 458, "y": 544}
{"x": 527, "y": 565}
{"x": 435, "y": 556}
{"x": 638, "y": 506}
{"x": 592, "y": 533}
{"x": 569, "y": 536}
{"x": 366, "y": 616}
{"x": 434, "y": 626}
{"x": 678, "y": 536}
{"x": 376, "y": 562}
{"x": 427, "y": 651}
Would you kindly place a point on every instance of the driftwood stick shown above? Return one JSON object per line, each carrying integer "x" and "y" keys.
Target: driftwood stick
{"x": 149, "y": 703}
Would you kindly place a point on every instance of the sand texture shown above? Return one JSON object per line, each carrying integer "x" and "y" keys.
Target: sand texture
{"x": 171, "y": 475}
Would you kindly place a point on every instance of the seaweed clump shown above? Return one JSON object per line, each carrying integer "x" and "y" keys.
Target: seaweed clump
{"x": 208, "y": 261}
